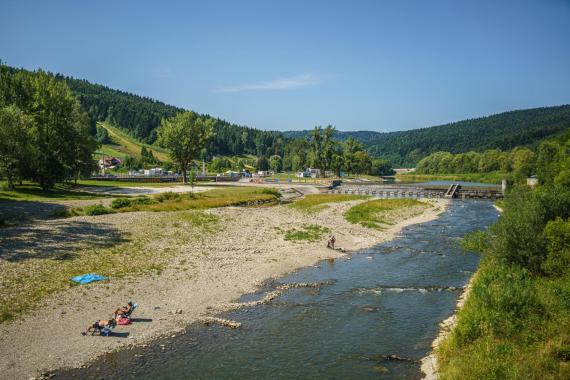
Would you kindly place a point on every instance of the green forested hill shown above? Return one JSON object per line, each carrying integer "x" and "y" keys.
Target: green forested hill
{"x": 140, "y": 116}
{"x": 503, "y": 131}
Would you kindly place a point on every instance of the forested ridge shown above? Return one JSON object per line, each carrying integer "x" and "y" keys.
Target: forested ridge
{"x": 141, "y": 116}
{"x": 503, "y": 131}
{"x": 362, "y": 136}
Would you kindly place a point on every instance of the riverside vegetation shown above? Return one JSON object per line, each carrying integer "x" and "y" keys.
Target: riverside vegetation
{"x": 515, "y": 323}
{"x": 375, "y": 213}
{"x": 169, "y": 201}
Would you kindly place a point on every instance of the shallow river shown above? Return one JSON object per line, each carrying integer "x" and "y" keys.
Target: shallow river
{"x": 387, "y": 300}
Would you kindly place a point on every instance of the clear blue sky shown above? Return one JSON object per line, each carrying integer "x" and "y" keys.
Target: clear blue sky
{"x": 375, "y": 65}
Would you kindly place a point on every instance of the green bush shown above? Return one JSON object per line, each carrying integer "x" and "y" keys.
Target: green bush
{"x": 557, "y": 234}
{"x": 120, "y": 203}
{"x": 167, "y": 196}
{"x": 97, "y": 210}
{"x": 143, "y": 201}
{"x": 271, "y": 191}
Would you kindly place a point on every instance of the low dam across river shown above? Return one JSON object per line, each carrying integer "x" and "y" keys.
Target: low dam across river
{"x": 454, "y": 190}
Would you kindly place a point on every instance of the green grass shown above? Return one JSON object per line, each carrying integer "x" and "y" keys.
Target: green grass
{"x": 373, "y": 214}
{"x": 316, "y": 202}
{"x": 95, "y": 183}
{"x": 111, "y": 150}
{"x": 513, "y": 326}
{"x": 129, "y": 145}
{"x": 228, "y": 196}
{"x": 307, "y": 232}
{"x": 492, "y": 177}
{"x": 145, "y": 248}
{"x": 32, "y": 192}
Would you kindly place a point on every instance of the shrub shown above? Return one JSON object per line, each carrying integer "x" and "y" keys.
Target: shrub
{"x": 97, "y": 210}
{"x": 557, "y": 234}
{"x": 519, "y": 235}
{"x": 271, "y": 191}
{"x": 120, "y": 203}
{"x": 143, "y": 201}
{"x": 167, "y": 196}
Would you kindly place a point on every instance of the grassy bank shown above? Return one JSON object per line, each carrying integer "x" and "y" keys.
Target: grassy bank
{"x": 512, "y": 326}
{"x": 223, "y": 197}
{"x": 492, "y": 177}
{"x": 94, "y": 183}
{"x": 32, "y": 192}
{"x": 317, "y": 202}
{"x": 515, "y": 323}
{"x": 373, "y": 214}
{"x": 124, "y": 248}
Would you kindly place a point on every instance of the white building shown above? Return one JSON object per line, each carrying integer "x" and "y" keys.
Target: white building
{"x": 153, "y": 172}
{"x": 315, "y": 173}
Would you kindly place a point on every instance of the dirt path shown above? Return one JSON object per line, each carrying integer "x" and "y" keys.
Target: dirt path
{"x": 202, "y": 279}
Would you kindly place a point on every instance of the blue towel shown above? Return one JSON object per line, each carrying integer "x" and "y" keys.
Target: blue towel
{"x": 87, "y": 278}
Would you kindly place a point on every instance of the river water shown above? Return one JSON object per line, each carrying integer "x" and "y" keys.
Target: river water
{"x": 387, "y": 300}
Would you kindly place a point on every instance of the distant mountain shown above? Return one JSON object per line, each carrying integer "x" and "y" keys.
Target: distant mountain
{"x": 501, "y": 131}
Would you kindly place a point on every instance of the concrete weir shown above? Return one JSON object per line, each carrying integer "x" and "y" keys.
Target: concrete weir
{"x": 415, "y": 191}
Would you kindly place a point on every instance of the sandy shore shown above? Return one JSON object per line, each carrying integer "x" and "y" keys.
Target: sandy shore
{"x": 202, "y": 279}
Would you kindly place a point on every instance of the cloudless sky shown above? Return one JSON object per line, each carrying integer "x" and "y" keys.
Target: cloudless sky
{"x": 374, "y": 65}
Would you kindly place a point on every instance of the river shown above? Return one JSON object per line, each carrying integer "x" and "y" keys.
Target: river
{"x": 387, "y": 300}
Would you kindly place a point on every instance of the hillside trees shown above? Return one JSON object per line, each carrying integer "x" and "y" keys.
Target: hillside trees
{"x": 520, "y": 161}
{"x": 275, "y": 163}
{"x": 185, "y": 135}
{"x": 503, "y": 131}
{"x": 50, "y": 131}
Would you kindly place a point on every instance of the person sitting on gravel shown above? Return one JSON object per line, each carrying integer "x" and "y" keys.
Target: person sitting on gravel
{"x": 125, "y": 311}
{"x": 330, "y": 243}
{"x": 99, "y": 325}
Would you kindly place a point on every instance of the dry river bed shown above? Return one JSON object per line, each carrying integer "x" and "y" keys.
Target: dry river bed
{"x": 204, "y": 276}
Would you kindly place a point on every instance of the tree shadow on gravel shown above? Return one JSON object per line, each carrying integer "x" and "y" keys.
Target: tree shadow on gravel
{"x": 56, "y": 240}
{"x": 20, "y": 211}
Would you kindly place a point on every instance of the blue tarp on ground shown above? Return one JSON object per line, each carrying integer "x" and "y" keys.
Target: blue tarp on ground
{"x": 87, "y": 278}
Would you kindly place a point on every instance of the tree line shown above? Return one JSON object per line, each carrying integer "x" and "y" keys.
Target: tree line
{"x": 321, "y": 150}
{"x": 520, "y": 161}
{"x": 45, "y": 136}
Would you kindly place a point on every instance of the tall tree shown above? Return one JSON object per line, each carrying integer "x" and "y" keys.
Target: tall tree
{"x": 316, "y": 145}
{"x": 15, "y": 146}
{"x": 185, "y": 135}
